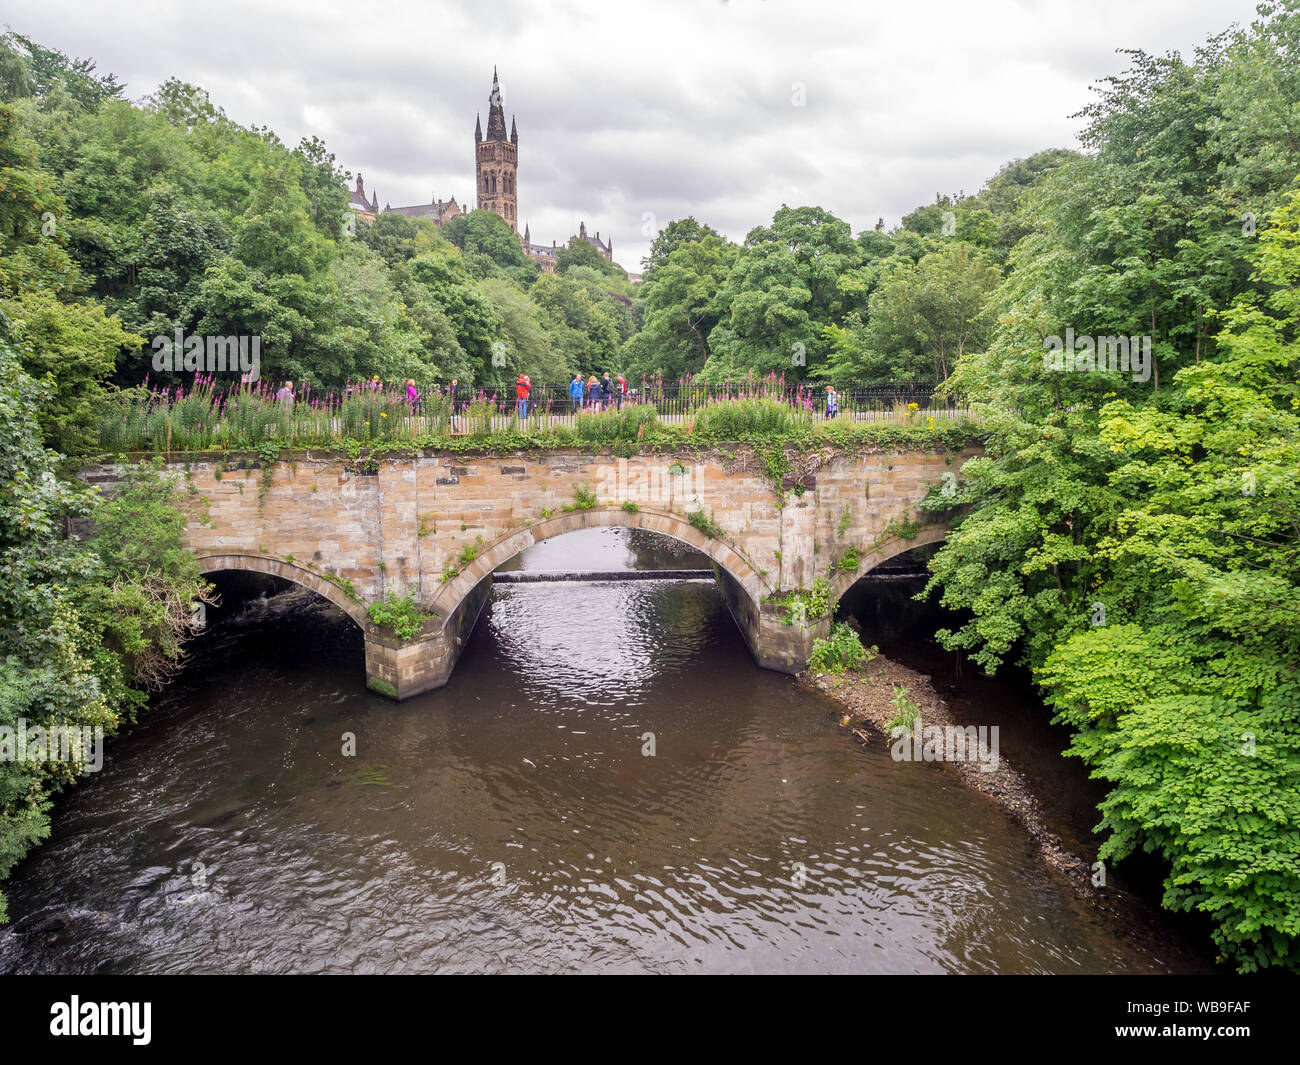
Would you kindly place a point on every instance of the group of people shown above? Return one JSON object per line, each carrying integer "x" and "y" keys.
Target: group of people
{"x": 597, "y": 393}
{"x": 593, "y": 394}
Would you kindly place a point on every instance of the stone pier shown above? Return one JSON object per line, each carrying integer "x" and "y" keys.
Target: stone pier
{"x": 433, "y": 526}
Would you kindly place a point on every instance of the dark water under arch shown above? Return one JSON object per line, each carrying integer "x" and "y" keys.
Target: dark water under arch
{"x": 229, "y": 833}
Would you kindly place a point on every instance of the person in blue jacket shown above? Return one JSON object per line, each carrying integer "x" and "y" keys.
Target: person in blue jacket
{"x": 576, "y": 391}
{"x": 593, "y": 392}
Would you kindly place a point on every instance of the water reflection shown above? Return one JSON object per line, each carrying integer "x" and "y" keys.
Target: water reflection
{"x": 512, "y": 821}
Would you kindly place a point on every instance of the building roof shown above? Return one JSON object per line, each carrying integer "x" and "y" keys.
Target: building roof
{"x": 606, "y": 247}
{"x": 358, "y": 199}
{"x": 435, "y": 210}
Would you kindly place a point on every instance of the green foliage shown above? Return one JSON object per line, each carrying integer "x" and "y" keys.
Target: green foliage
{"x": 145, "y": 580}
{"x": 904, "y": 528}
{"x": 631, "y": 423}
{"x": 920, "y": 319}
{"x": 631, "y": 507}
{"x": 745, "y": 419}
{"x": 850, "y": 561}
{"x": 840, "y": 651}
{"x": 803, "y": 605}
{"x": 398, "y": 613}
{"x": 344, "y": 584}
{"x": 583, "y": 499}
{"x": 1172, "y": 503}
{"x": 905, "y": 711}
{"x": 470, "y": 551}
{"x": 85, "y": 628}
{"x": 790, "y": 279}
{"x": 582, "y": 253}
{"x": 76, "y": 345}
{"x": 705, "y": 524}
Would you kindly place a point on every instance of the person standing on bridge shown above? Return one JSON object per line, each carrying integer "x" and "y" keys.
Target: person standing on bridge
{"x": 576, "y": 392}
{"x": 620, "y": 390}
{"x": 593, "y": 392}
{"x": 521, "y": 394}
{"x": 606, "y": 390}
{"x": 832, "y": 401}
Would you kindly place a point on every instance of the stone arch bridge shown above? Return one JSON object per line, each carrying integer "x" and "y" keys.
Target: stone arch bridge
{"x": 435, "y": 525}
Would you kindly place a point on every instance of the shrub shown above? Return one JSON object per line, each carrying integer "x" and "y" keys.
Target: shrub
{"x": 840, "y": 650}
{"x": 905, "y": 711}
{"x": 399, "y": 614}
{"x": 630, "y": 424}
{"x": 736, "y": 419}
{"x": 583, "y": 499}
{"x": 470, "y": 551}
{"x": 803, "y": 605}
{"x": 705, "y": 524}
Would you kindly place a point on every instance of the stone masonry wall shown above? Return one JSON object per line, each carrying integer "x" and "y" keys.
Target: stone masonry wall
{"x": 436, "y": 525}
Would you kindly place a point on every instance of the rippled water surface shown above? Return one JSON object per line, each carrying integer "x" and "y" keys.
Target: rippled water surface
{"x": 512, "y": 821}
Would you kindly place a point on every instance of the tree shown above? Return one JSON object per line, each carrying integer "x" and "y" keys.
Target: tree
{"x": 936, "y": 309}
{"x": 581, "y": 252}
{"x": 791, "y": 279}
{"x": 46, "y": 672}
{"x": 447, "y": 283}
{"x": 676, "y": 234}
{"x": 323, "y": 184}
{"x": 398, "y": 239}
{"x": 51, "y": 72}
{"x": 1135, "y": 546}
{"x": 487, "y": 233}
{"x": 1186, "y": 700}
{"x": 681, "y": 308}
{"x": 526, "y": 345}
{"x": 75, "y": 347}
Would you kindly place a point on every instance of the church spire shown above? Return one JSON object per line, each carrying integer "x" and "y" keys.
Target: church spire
{"x": 496, "y": 130}
{"x": 514, "y": 133}
{"x": 478, "y": 129}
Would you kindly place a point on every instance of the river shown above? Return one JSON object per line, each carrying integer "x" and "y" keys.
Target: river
{"x": 518, "y": 821}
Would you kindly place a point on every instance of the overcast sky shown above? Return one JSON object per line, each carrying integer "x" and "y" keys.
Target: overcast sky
{"x": 632, "y": 115}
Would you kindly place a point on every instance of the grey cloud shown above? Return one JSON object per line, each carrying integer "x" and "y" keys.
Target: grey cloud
{"x": 682, "y": 108}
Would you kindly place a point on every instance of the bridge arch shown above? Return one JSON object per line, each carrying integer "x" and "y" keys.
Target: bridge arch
{"x": 841, "y": 582}
{"x": 731, "y": 561}
{"x": 249, "y": 562}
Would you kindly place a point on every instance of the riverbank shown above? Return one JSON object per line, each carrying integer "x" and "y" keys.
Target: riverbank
{"x": 868, "y": 699}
